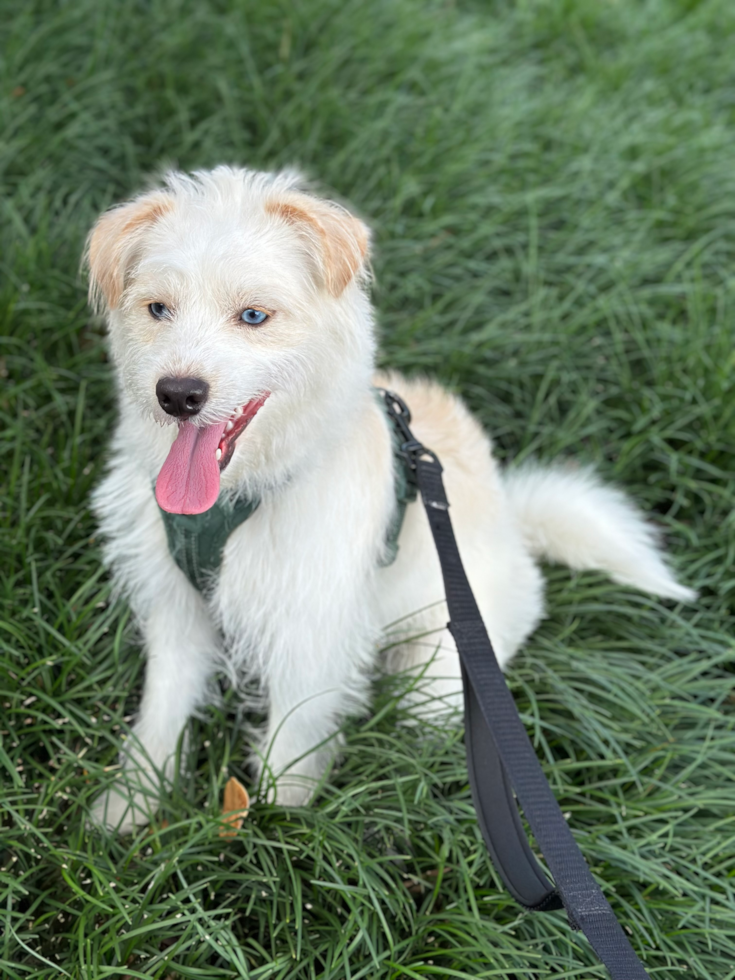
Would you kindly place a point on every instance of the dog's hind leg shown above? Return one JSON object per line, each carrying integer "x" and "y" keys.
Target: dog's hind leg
{"x": 506, "y": 583}
{"x": 181, "y": 646}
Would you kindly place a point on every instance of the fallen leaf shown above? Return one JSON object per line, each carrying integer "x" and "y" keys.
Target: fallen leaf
{"x": 235, "y": 807}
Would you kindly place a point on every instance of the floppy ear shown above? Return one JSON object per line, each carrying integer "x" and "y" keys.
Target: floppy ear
{"x": 339, "y": 241}
{"x": 114, "y": 242}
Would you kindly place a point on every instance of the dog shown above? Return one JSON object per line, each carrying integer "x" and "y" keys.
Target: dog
{"x": 244, "y": 342}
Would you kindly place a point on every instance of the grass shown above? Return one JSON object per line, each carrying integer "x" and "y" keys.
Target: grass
{"x": 553, "y": 197}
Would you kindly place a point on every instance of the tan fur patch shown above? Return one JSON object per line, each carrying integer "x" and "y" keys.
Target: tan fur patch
{"x": 114, "y": 241}
{"x": 340, "y": 240}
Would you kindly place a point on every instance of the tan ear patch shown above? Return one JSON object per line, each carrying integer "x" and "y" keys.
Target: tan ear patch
{"x": 113, "y": 242}
{"x": 339, "y": 240}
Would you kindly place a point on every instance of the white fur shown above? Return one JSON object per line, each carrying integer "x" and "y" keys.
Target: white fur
{"x": 302, "y": 602}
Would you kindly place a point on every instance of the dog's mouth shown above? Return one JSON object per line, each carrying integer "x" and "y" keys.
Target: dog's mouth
{"x": 189, "y": 479}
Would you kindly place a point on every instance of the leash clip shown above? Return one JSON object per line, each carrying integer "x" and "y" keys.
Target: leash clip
{"x": 400, "y": 415}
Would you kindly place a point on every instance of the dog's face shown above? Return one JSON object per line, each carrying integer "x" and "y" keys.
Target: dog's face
{"x": 228, "y": 293}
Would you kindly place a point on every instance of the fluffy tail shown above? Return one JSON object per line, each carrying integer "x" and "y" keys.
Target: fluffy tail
{"x": 571, "y": 517}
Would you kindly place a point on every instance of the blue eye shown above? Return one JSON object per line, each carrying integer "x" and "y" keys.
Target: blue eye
{"x": 253, "y": 317}
{"x": 159, "y": 311}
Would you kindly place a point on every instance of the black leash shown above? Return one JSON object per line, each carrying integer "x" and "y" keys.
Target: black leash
{"x": 500, "y": 758}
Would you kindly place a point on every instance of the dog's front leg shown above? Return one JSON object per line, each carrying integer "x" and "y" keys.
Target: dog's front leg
{"x": 308, "y": 700}
{"x": 181, "y": 645}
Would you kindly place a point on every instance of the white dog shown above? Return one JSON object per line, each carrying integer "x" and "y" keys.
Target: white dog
{"x": 235, "y": 301}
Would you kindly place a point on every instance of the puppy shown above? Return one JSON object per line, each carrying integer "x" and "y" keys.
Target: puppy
{"x": 243, "y": 341}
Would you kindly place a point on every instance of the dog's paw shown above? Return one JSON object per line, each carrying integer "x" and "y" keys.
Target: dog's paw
{"x": 290, "y": 791}
{"x": 122, "y": 810}
{"x": 435, "y": 701}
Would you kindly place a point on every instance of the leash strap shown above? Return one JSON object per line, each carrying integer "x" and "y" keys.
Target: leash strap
{"x": 501, "y": 759}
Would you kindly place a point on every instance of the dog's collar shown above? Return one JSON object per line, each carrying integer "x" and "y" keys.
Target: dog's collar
{"x": 197, "y": 541}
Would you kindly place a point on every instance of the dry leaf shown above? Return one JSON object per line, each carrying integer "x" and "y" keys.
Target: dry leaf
{"x": 235, "y": 807}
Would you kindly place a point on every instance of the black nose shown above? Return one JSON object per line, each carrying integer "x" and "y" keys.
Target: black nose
{"x": 182, "y": 397}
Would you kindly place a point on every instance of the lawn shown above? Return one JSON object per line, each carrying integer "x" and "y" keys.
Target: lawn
{"x": 551, "y": 184}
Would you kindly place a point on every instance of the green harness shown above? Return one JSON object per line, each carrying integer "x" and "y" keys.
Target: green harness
{"x": 197, "y": 541}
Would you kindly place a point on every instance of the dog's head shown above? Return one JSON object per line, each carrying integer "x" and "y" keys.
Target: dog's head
{"x": 227, "y": 293}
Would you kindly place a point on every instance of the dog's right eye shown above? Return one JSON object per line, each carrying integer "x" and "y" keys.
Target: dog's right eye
{"x": 159, "y": 311}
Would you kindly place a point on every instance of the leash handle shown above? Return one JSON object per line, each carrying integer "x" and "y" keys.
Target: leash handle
{"x": 501, "y": 758}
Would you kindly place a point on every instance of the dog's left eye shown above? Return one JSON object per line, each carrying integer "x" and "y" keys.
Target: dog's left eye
{"x": 253, "y": 317}
{"x": 159, "y": 311}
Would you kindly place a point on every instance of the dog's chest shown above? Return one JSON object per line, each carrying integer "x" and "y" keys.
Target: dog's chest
{"x": 259, "y": 576}
{"x": 301, "y": 562}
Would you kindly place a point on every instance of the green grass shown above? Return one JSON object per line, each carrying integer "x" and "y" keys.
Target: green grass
{"x": 552, "y": 190}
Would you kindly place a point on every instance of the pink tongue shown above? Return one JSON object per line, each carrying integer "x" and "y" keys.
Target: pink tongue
{"x": 189, "y": 479}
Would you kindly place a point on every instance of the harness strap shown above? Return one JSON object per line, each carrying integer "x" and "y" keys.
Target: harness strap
{"x": 405, "y": 490}
{"x": 196, "y": 541}
{"x": 501, "y": 758}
